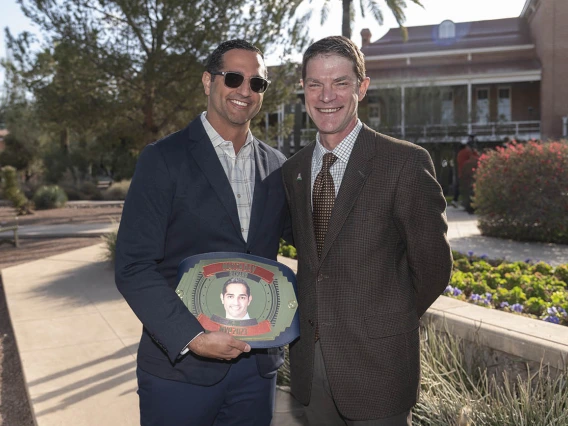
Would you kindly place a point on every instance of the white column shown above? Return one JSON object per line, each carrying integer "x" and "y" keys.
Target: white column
{"x": 402, "y": 114}
{"x": 280, "y": 125}
{"x": 469, "y": 95}
{"x": 565, "y": 126}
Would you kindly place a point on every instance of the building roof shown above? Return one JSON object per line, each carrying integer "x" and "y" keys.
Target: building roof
{"x": 468, "y": 35}
{"x": 466, "y": 70}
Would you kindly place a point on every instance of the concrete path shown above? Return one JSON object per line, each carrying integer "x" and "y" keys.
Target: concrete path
{"x": 464, "y": 237}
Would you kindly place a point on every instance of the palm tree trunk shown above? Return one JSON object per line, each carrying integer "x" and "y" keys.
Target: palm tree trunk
{"x": 346, "y": 26}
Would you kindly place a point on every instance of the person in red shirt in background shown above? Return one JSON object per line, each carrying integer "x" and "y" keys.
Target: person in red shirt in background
{"x": 466, "y": 162}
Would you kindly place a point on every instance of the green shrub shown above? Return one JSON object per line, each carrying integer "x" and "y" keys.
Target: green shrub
{"x": 11, "y": 190}
{"x": 561, "y": 272}
{"x": 287, "y": 250}
{"x": 535, "y": 290}
{"x": 535, "y": 306}
{"x": 117, "y": 191}
{"x": 49, "y": 197}
{"x": 85, "y": 191}
{"x": 520, "y": 192}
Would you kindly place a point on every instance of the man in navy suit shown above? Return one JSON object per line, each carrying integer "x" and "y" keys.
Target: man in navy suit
{"x": 210, "y": 187}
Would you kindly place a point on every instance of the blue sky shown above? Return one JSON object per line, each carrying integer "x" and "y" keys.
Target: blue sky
{"x": 434, "y": 12}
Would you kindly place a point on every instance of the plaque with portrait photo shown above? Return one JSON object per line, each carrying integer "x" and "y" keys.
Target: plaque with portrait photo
{"x": 249, "y": 297}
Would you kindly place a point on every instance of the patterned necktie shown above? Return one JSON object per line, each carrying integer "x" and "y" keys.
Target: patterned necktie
{"x": 323, "y": 199}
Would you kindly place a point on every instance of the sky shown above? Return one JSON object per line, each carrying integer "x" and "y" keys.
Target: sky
{"x": 434, "y": 12}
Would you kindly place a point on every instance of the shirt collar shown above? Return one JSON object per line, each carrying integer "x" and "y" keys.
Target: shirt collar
{"x": 343, "y": 150}
{"x": 216, "y": 138}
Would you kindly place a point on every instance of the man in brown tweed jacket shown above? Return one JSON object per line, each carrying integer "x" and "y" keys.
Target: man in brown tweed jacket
{"x": 382, "y": 261}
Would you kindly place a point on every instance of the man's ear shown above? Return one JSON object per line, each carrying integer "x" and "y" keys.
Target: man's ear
{"x": 250, "y": 300}
{"x": 363, "y": 88}
{"x": 302, "y": 83}
{"x": 221, "y": 297}
{"x": 206, "y": 80}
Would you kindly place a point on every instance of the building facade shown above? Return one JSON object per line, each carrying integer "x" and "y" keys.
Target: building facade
{"x": 499, "y": 80}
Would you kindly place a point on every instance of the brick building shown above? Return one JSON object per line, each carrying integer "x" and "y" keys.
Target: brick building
{"x": 497, "y": 79}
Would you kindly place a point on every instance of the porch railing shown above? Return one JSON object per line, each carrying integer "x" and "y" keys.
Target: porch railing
{"x": 494, "y": 131}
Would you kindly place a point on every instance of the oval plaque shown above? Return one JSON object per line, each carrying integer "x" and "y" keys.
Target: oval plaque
{"x": 249, "y": 297}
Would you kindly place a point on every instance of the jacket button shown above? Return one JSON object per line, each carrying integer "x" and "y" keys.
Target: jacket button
{"x": 320, "y": 278}
{"x": 311, "y": 322}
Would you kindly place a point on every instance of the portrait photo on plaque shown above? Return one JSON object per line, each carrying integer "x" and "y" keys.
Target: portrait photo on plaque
{"x": 249, "y": 297}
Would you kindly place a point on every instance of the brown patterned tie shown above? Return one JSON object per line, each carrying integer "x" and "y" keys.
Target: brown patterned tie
{"x": 323, "y": 198}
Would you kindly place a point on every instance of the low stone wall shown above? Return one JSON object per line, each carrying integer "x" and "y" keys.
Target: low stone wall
{"x": 502, "y": 341}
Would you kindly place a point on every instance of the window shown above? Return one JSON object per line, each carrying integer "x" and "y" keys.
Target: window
{"x": 447, "y": 106}
{"x": 447, "y": 29}
{"x": 504, "y": 104}
{"x": 482, "y": 106}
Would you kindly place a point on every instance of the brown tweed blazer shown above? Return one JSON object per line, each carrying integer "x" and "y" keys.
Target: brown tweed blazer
{"x": 385, "y": 260}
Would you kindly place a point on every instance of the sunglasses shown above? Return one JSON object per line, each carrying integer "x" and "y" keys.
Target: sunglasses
{"x": 234, "y": 80}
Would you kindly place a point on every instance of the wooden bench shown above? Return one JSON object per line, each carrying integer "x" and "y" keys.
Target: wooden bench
{"x": 14, "y": 240}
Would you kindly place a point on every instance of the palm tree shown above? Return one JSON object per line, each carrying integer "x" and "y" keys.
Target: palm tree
{"x": 396, "y": 7}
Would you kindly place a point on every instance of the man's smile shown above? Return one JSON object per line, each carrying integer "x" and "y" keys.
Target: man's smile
{"x": 239, "y": 104}
{"x": 328, "y": 110}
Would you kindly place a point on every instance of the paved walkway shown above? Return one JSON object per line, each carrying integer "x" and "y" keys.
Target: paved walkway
{"x": 77, "y": 337}
{"x": 464, "y": 237}
{"x": 463, "y": 234}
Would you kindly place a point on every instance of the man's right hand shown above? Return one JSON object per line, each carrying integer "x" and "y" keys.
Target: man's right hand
{"x": 218, "y": 345}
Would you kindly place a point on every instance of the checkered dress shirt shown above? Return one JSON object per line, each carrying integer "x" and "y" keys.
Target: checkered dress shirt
{"x": 341, "y": 151}
{"x": 239, "y": 169}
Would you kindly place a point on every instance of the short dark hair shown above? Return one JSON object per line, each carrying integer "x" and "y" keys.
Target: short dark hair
{"x": 236, "y": 281}
{"x": 214, "y": 62}
{"x": 337, "y": 45}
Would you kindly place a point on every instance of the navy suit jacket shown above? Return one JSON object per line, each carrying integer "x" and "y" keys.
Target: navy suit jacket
{"x": 180, "y": 203}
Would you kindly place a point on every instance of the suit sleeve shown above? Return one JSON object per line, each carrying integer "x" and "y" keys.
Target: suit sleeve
{"x": 420, "y": 217}
{"x": 140, "y": 248}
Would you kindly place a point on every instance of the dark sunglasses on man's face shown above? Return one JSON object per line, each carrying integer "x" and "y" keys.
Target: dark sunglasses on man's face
{"x": 234, "y": 80}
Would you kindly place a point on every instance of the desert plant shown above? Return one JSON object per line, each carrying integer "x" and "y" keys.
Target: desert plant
{"x": 117, "y": 191}
{"x": 49, "y": 197}
{"x": 84, "y": 191}
{"x": 455, "y": 392}
{"x": 12, "y": 192}
{"x": 520, "y": 192}
{"x": 110, "y": 245}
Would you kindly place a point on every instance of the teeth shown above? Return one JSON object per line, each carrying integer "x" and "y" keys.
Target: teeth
{"x": 329, "y": 110}
{"x": 238, "y": 102}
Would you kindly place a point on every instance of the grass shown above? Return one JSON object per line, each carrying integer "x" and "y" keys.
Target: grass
{"x": 110, "y": 245}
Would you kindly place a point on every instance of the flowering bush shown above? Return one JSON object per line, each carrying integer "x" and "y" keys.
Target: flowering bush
{"x": 534, "y": 289}
{"x": 521, "y": 192}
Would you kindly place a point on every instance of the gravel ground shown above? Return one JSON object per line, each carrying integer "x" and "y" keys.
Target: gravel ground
{"x": 14, "y": 403}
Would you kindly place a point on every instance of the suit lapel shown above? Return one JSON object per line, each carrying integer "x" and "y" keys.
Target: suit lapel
{"x": 358, "y": 169}
{"x": 206, "y": 158}
{"x": 302, "y": 179}
{"x": 260, "y": 191}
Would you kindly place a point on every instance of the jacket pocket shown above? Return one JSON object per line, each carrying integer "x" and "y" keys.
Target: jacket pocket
{"x": 392, "y": 324}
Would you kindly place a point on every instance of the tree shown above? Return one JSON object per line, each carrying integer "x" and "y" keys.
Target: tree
{"x": 123, "y": 73}
{"x": 348, "y": 18}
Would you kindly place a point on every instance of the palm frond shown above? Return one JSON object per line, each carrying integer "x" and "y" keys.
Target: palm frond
{"x": 324, "y": 12}
{"x": 375, "y": 10}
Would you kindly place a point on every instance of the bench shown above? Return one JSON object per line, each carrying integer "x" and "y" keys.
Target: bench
{"x": 14, "y": 240}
